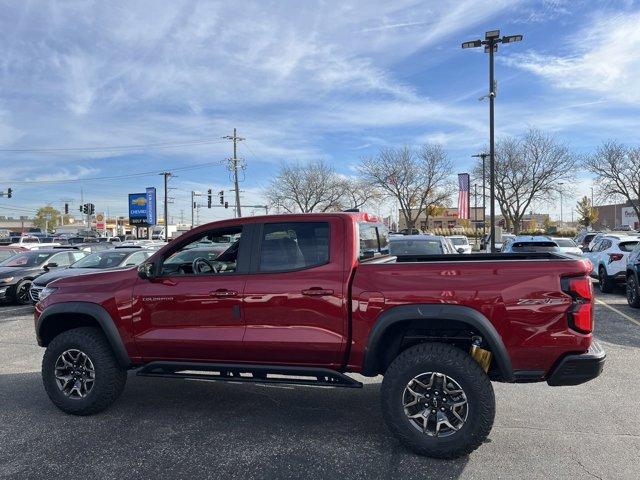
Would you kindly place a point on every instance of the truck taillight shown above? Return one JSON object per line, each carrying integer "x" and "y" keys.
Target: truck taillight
{"x": 614, "y": 257}
{"x": 580, "y": 315}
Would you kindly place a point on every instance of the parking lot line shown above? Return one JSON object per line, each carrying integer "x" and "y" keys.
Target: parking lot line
{"x": 622, "y": 314}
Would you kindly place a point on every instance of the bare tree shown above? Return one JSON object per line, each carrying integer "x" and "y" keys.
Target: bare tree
{"x": 529, "y": 169}
{"x": 306, "y": 188}
{"x": 617, "y": 171}
{"x": 357, "y": 193}
{"x": 417, "y": 179}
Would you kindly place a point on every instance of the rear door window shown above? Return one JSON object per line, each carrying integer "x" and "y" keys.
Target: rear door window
{"x": 294, "y": 246}
{"x": 627, "y": 246}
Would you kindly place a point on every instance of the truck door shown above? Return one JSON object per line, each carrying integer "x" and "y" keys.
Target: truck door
{"x": 192, "y": 309}
{"x": 295, "y": 303}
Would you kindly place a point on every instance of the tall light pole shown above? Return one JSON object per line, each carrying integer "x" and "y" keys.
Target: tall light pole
{"x": 490, "y": 42}
{"x": 483, "y": 156}
{"x": 560, "y": 184}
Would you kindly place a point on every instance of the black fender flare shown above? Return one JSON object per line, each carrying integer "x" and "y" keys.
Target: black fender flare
{"x": 100, "y": 315}
{"x": 427, "y": 312}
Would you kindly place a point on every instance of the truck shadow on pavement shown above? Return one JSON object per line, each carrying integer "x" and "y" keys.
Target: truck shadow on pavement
{"x": 177, "y": 429}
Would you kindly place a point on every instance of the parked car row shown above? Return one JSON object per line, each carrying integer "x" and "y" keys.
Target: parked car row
{"x": 25, "y": 273}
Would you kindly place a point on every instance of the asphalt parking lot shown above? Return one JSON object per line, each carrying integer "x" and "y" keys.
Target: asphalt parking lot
{"x": 190, "y": 429}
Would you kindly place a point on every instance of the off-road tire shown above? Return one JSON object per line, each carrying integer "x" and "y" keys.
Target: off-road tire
{"x": 110, "y": 378}
{"x": 457, "y": 364}
{"x": 633, "y": 292}
{"x": 606, "y": 284}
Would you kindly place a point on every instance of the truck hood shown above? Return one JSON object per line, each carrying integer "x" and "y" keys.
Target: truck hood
{"x": 107, "y": 280}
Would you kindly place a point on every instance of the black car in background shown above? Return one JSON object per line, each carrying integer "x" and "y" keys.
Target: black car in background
{"x": 111, "y": 259}
{"x": 18, "y": 271}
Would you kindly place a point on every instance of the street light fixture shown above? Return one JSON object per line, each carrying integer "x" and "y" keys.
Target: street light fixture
{"x": 490, "y": 42}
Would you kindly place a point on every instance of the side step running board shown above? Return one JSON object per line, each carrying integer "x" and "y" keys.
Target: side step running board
{"x": 249, "y": 373}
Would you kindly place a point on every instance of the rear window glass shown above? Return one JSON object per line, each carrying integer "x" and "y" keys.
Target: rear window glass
{"x": 628, "y": 246}
{"x": 534, "y": 247}
{"x": 416, "y": 247}
{"x": 565, "y": 242}
{"x": 374, "y": 240}
{"x": 459, "y": 241}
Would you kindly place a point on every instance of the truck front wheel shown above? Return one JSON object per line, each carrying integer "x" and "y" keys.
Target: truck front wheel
{"x": 438, "y": 401}
{"x": 80, "y": 373}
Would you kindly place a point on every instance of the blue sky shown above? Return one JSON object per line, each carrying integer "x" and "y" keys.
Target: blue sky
{"x": 300, "y": 80}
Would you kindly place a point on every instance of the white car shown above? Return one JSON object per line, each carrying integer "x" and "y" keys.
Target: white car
{"x": 417, "y": 245}
{"x": 609, "y": 258}
{"x": 460, "y": 243}
{"x": 567, "y": 245}
{"x": 499, "y": 243}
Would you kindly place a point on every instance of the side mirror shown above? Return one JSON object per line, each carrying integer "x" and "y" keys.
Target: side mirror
{"x": 146, "y": 271}
{"x": 51, "y": 265}
{"x": 461, "y": 250}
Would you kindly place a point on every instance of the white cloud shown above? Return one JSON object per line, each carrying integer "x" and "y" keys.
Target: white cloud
{"x": 604, "y": 59}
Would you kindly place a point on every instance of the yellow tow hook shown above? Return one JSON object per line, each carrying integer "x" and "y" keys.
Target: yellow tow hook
{"x": 482, "y": 356}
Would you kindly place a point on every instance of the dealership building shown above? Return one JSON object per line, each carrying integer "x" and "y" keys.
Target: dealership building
{"x": 448, "y": 218}
{"x": 612, "y": 216}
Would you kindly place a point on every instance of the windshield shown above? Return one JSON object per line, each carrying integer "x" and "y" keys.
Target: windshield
{"x": 415, "y": 247}
{"x": 27, "y": 259}
{"x": 106, "y": 259}
{"x": 459, "y": 241}
{"x": 565, "y": 242}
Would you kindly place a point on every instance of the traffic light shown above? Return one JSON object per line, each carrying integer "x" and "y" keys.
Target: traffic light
{"x": 66, "y": 209}
{"x": 85, "y": 208}
{"x": 221, "y": 193}
{"x": 9, "y": 192}
{"x": 80, "y": 208}
{"x": 209, "y": 198}
{"x": 92, "y": 209}
{"x": 226, "y": 204}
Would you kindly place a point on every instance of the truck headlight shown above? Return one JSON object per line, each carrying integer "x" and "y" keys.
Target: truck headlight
{"x": 46, "y": 291}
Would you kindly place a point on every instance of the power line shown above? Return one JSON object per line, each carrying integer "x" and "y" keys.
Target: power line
{"x": 109, "y": 148}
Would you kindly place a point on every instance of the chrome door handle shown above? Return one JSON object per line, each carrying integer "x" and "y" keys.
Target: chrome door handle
{"x": 224, "y": 293}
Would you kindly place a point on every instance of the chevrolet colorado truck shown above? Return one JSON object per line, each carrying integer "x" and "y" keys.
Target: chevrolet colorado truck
{"x": 305, "y": 299}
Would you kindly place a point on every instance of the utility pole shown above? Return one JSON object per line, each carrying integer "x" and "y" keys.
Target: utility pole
{"x": 192, "y": 207}
{"x": 560, "y": 184}
{"x": 491, "y": 40}
{"x": 166, "y": 176}
{"x": 233, "y": 166}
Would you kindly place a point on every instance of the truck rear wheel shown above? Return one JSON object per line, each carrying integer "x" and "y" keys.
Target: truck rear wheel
{"x": 438, "y": 401}
{"x": 80, "y": 373}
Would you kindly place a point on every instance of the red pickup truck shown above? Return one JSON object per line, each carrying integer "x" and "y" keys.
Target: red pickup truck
{"x": 307, "y": 298}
